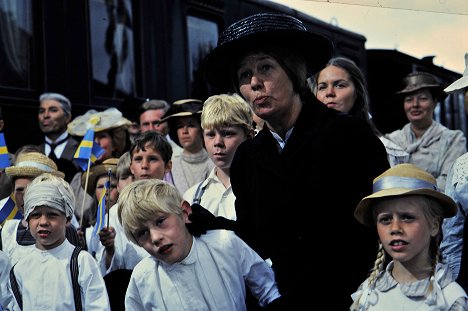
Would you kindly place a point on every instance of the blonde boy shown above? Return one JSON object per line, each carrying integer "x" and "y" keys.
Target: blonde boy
{"x": 227, "y": 122}
{"x": 184, "y": 272}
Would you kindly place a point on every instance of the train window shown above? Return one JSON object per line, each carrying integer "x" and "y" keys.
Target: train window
{"x": 112, "y": 49}
{"x": 202, "y": 36}
{"x": 16, "y": 51}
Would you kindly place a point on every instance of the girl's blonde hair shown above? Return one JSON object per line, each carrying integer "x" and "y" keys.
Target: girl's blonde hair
{"x": 139, "y": 201}
{"x": 226, "y": 110}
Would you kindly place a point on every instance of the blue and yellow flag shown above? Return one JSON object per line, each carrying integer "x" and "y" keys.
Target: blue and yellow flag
{"x": 101, "y": 210}
{"x": 9, "y": 211}
{"x": 87, "y": 150}
{"x": 4, "y": 158}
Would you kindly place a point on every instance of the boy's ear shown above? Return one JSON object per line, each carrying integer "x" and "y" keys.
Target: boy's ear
{"x": 186, "y": 210}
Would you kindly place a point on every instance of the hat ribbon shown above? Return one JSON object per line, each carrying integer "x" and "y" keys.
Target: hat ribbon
{"x": 35, "y": 165}
{"x": 389, "y": 182}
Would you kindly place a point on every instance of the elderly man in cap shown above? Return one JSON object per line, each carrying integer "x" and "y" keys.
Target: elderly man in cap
{"x": 15, "y": 238}
{"x": 429, "y": 144}
{"x": 54, "y": 116}
{"x": 456, "y": 228}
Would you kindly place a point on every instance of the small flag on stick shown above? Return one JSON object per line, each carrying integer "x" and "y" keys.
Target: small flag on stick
{"x": 88, "y": 150}
{"x": 101, "y": 210}
{"x": 4, "y": 158}
{"x": 9, "y": 211}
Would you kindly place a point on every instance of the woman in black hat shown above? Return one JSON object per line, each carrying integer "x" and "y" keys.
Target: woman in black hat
{"x": 429, "y": 144}
{"x": 308, "y": 165}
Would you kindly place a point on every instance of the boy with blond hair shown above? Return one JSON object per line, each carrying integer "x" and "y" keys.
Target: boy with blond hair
{"x": 226, "y": 120}
{"x": 210, "y": 271}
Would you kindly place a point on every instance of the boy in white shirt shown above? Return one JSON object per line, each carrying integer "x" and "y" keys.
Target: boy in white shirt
{"x": 46, "y": 278}
{"x": 185, "y": 272}
{"x": 226, "y": 120}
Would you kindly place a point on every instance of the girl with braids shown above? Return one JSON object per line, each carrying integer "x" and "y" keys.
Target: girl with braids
{"x": 407, "y": 210}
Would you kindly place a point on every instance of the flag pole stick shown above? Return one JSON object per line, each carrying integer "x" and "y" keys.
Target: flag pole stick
{"x": 84, "y": 194}
{"x": 109, "y": 172}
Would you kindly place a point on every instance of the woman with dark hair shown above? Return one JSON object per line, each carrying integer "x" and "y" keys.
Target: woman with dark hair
{"x": 341, "y": 85}
{"x": 306, "y": 164}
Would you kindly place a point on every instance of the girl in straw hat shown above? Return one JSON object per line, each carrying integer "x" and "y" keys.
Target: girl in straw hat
{"x": 407, "y": 210}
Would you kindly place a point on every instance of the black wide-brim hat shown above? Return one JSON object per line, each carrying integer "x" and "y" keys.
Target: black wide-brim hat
{"x": 420, "y": 80}
{"x": 262, "y": 31}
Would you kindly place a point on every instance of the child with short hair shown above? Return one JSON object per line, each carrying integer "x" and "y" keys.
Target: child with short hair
{"x": 407, "y": 210}
{"x": 47, "y": 278}
{"x": 150, "y": 158}
{"x": 226, "y": 120}
{"x": 185, "y": 272}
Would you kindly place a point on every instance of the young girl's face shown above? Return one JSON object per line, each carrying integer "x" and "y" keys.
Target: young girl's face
{"x": 404, "y": 230}
{"x": 47, "y": 226}
{"x": 114, "y": 194}
{"x": 221, "y": 144}
{"x": 335, "y": 89}
{"x": 165, "y": 237}
{"x": 148, "y": 164}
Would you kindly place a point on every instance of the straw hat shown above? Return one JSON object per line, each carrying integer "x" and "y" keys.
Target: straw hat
{"x": 461, "y": 83}
{"x": 99, "y": 121}
{"x": 33, "y": 164}
{"x": 402, "y": 180}
{"x": 97, "y": 171}
{"x": 182, "y": 108}
{"x": 260, "y": 31}
{"x": 419, "y": 80}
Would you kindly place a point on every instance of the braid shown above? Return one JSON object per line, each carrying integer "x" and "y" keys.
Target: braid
{"x": 378, "y": 265}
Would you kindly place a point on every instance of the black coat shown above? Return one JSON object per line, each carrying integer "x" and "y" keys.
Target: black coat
{"x": 66, "y": 163}
{"x": 296, "y": 207}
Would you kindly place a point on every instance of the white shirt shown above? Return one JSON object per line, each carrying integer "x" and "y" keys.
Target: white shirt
{"x": 45, "y": 282}
{"x": 59, "y": 148}
{"x": 5, "y": 296}
{"x": 216, "y": 198}
{"x": 212, "y": 277}
{"x": 127, "y": 254}
{"x": 9, "y": 244}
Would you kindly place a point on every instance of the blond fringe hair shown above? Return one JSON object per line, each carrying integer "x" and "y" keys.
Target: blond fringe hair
{"x": 226, "y": 110}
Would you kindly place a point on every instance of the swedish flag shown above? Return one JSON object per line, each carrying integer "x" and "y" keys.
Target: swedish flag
{"x": 101, "y": 210}
{"x": 9, "y": 211}
{"x": 4, "y": 159}
{"x": 87, "y": 150}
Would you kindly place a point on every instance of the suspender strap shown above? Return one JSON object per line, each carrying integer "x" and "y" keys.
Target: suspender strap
{"x": 15, "y": 288}
{"x": 74, "y": 276}
{"x": 199, "y": 193}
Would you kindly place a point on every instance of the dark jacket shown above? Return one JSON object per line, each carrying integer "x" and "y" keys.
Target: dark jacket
{"x": 296, "y": 207}
{"x": 66, "y": 164}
